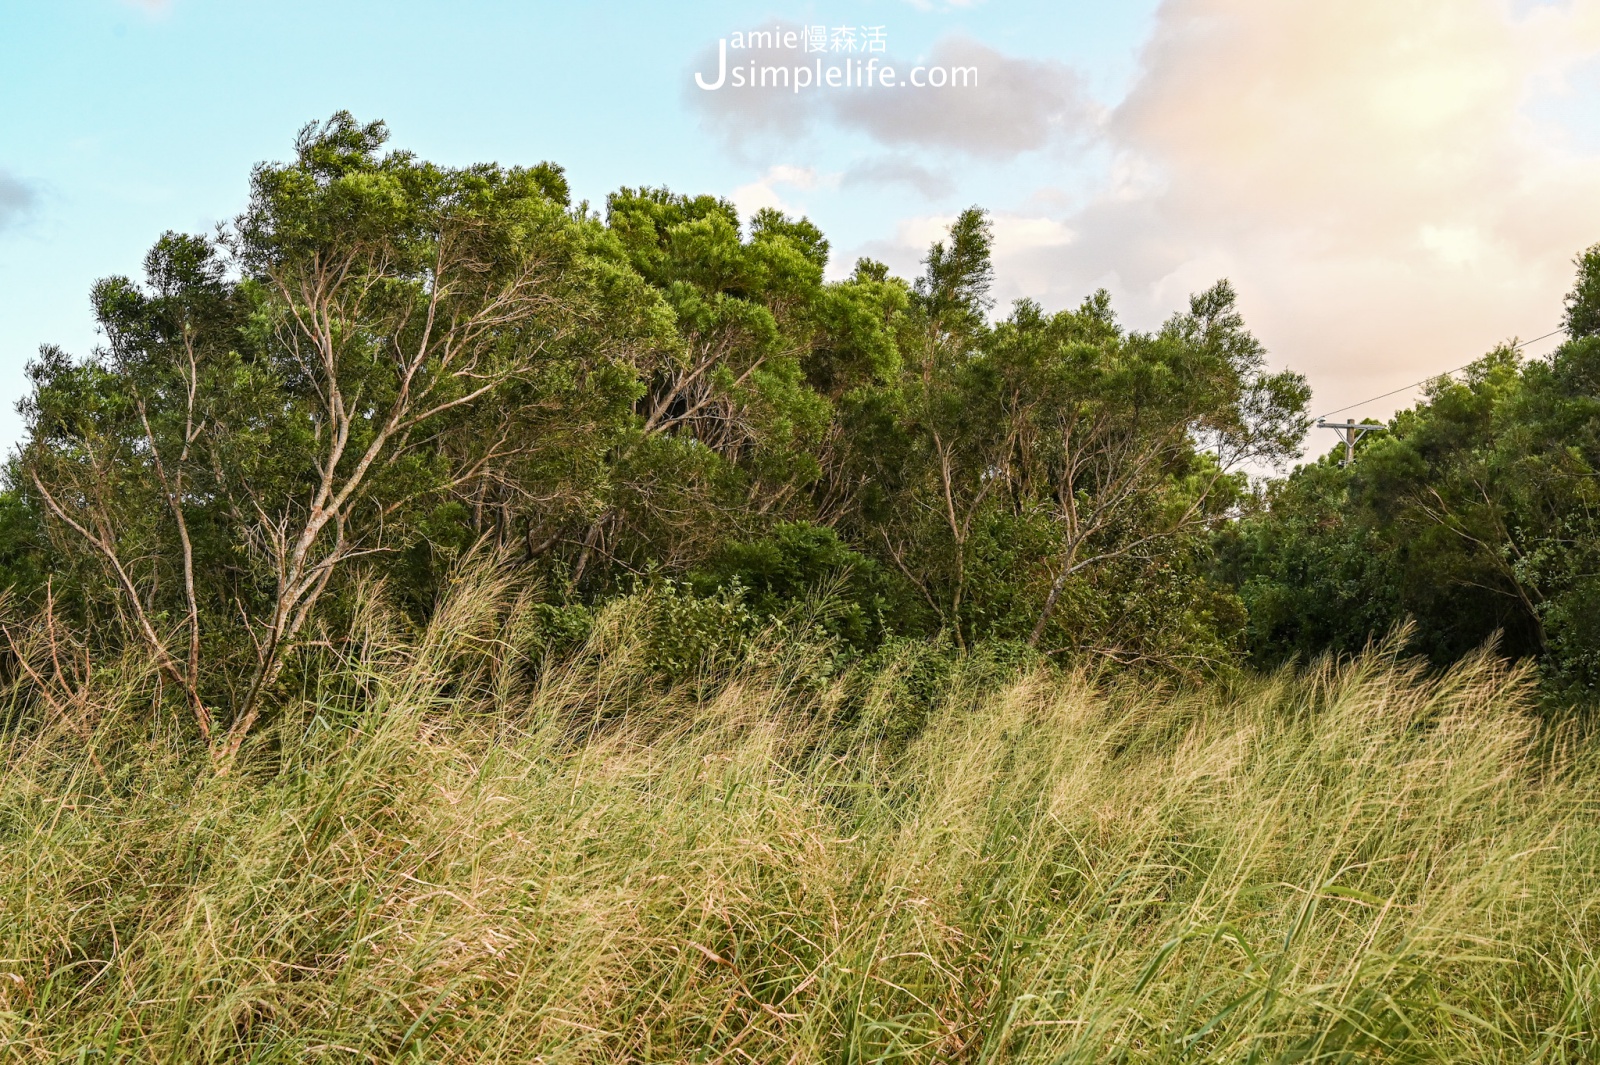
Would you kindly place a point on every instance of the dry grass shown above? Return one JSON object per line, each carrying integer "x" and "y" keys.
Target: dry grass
{"x": 434, "y": 860}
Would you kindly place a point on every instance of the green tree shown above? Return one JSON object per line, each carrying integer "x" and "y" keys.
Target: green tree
{"x": 269, "y": 427}
{"x": 1582, "y": 318}
{"x": 1061, "y": 452}
{"x": 1476, "y": 516}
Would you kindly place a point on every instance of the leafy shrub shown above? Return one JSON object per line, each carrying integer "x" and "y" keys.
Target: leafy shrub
{"x": 799, "y": 562}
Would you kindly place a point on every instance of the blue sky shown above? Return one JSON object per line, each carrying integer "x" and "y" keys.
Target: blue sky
{"x": 1392, "y": 190}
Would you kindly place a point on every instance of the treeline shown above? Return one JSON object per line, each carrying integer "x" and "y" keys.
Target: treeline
{"x": 383, "y": 365}
{"x": 1476, "y": 516}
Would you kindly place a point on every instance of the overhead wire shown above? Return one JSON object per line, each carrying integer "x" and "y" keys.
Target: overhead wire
{"x": 1435, "y": 377}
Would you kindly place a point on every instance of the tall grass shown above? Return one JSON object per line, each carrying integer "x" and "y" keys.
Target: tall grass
{"x": 441, "y": 855}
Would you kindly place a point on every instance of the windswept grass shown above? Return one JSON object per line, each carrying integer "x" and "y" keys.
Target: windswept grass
{"x": 435, "y": 858}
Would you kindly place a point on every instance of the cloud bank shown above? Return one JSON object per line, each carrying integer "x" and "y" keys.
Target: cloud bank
{"x": 1367, "y": 172}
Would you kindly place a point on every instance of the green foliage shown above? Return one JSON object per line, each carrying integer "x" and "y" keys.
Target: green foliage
{"x": 688, "y": 635}
{"x": 384, "y": 364}
{"x": 799, "y": 565}
{"x": 307, "y": 397}
{"x": 1311, "y": 580}
{"x": 1475, "y": 516}
{"x": 953, "y": 295}
{"x": 1032, "y": 476}
{"x": 25, "y": 553}
{"x": 1583, "y": 302}
{"x": 893, "y": 693}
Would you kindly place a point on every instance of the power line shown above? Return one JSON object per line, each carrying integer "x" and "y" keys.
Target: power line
{"x": 1435, "y": 377}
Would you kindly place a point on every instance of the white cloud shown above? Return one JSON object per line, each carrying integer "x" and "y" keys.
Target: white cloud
{"x": 763, "y": 192}
{"x": 1461, "y": 245}
{"x": 1017, "y": 105}
{"x": 801, "y": 177}
{"x": 1365, "y": 171}
{"x": 947, "y": 5}
{"x": 1023, "y": 248}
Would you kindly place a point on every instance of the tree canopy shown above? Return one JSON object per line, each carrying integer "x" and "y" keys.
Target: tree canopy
{"x": 383, "y": 364}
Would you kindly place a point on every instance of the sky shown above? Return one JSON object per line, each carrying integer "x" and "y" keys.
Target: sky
{"x": 1393, "y": 186}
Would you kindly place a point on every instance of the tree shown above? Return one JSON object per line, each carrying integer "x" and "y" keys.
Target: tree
{"x": 1582, "y": 319}
{"x": 1063, "y": 447}
{"x": 275, "y": 427}
{"x": 1137, "y": 440}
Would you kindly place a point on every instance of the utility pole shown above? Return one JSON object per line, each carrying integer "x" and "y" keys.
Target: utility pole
{"x": 1350, "y": 432}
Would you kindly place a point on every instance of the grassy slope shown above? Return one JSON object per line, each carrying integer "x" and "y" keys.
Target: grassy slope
{"x": 1355, "y": 864}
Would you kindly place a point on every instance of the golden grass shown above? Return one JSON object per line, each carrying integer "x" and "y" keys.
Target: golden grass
{"x": 437, "y": 859}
